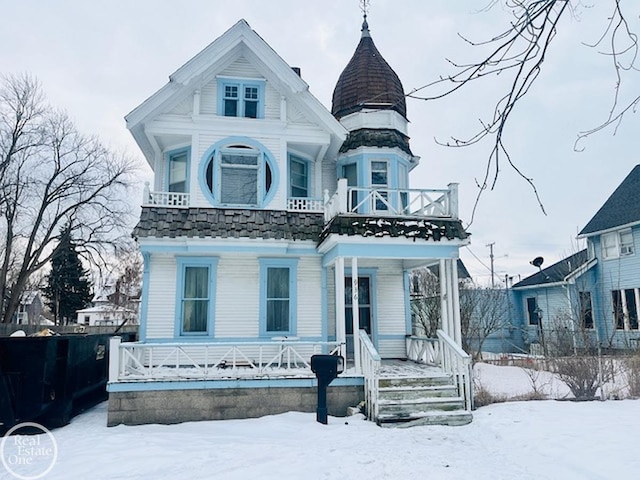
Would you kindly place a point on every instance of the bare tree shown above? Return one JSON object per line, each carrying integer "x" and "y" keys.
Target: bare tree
{"x": 425, "y": 304}
{"x": 483, "y": 311}
{"x": 517, "y": 53}
{"x": 52, "y": 175}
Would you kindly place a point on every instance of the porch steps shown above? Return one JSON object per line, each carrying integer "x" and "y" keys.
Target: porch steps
{"x": 428, "y": 400}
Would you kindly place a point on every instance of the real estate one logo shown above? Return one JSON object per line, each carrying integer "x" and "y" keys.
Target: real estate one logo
{"x": 28, "y": 451}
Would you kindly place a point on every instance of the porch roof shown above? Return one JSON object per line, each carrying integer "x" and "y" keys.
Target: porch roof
{"x": 413, "y": 228}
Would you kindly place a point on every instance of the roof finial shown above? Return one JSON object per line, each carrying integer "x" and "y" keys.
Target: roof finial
{"x": 364, "y": 6}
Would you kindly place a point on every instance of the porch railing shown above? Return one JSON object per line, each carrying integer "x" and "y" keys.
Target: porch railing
{"x": 130, "y": 362}
{"x": 370, "y": 368}
{"x": 392, "y": 202}
{"x": 424, "y": 350}
{"x": 457, "y": 363}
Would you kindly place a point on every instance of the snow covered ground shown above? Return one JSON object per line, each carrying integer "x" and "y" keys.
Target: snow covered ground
{"x": 518, "y": 440}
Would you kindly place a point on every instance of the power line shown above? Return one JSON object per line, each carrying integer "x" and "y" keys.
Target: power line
{"x": 478, "y": 259}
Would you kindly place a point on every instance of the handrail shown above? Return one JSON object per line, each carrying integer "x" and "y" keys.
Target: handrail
{"x": 135, "y": 361}
{"x": 456, "y": 362}
{"x": 370, "y": 367}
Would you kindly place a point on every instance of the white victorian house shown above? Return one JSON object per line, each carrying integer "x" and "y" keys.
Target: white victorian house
{"x": 275, "y": 229}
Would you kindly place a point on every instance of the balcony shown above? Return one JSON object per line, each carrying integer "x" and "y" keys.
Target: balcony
{"x": 417, "y": 203}
{"x": 430, "y": 203}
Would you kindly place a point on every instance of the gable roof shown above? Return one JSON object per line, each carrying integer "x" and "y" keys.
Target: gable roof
{"x": 621, "y": 208}
{"x": 239, "y": 40}
{"x": 557, "y": 272}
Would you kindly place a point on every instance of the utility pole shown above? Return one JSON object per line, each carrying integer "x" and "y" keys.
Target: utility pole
{"x": 490, "y": 245}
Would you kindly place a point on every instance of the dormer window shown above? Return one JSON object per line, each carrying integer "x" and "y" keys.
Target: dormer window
{"x": 241, "y": 98}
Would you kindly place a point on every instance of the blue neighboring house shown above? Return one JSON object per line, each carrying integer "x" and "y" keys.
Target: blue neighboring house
{"x": 596, "y": 290}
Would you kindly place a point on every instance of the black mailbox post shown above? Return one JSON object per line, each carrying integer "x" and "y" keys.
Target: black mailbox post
{"x": 326, "y": 368}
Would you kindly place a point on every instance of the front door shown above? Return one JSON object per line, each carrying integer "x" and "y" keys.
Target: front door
{"x": 364, "y": 303}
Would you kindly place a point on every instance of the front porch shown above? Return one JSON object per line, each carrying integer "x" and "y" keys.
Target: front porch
{"x": 174, "y": 382}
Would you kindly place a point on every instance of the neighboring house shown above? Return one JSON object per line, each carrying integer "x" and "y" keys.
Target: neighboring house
{"x": 105, "y": 315}
{"x": 105, "y": 310}
{"x": 265, "y": 211}
{"x": 30, "y": 309}
{"x": 597, "y": 290}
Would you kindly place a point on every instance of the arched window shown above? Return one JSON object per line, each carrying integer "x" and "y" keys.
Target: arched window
{"x": 238, "y": 174}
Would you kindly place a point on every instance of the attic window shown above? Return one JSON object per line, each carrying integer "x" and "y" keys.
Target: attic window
{"x": 241, "y": 98}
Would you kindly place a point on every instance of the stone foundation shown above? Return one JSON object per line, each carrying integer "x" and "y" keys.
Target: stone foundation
{"x": 176, "y": 406}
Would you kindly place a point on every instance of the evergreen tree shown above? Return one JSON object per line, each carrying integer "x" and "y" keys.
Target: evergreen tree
{"x": 68, "y": 287}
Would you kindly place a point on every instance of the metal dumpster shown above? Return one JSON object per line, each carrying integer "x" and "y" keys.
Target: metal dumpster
{"x": 48, "y": 380}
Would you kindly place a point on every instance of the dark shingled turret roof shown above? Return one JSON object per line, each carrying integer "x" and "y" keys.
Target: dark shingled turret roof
{"x": 367, "y": 82}
{"x": 621, "y": 208}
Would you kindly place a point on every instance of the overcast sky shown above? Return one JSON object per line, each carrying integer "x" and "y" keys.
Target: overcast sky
{"x": 99, "y": 60}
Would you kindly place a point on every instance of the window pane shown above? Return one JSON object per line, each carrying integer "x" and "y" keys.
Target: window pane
{"x": 250, "y": 109}
{"x": 278, "y": 283}
{"x": 231, "y": 91}
{"x": 195, "y": 315}
{"x": 278, "y": 315}
{"x": 626, "y": 243}
{"x": 379, "y": 173}
{"x": 239, "y": 186}
{"x": 195, "y": 303}
{"x": 298, "y": 178}
{"x": 618, "y": 312}
{"x": 196, "y": 280}
{"x": 532, "y": 307}
{"x": 230, "y": 108}
{"x": 178, "y": 173}
{"x": 239, "y": 159}
{"x": 251, "y": 93}
{"x": 586, "y": 312}
{"x": 630, "y": 297}
{"x": 610, "y": 245}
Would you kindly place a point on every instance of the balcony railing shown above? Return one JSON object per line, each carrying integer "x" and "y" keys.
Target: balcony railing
{"x": 305, "y": 204}
{"x": 165, "y": 199}
{"x": 392, "y": 202}
{"x": 350, "y": 200}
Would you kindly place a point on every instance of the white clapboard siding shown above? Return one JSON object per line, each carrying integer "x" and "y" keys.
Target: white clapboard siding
{"x": 185, "y": 107}
{"x": 161, "y": 301}
{"x": 390, "y": 313}
{"x": 309, "y": 313}
{"x": 271, "y": 103}
{"x": 209, "y": 98}
{"x": 237, "y": 297}
{"x": 392, "y": 348}
{"x": 329, "y": 179}
{"x": 331, "y": 302}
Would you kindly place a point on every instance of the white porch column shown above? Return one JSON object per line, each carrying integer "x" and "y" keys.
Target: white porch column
{"x": 114, "y": 359}
{"x": 444, "y": 314}
{"x": 355, "y": 308}
{"x": 457, "y": 324}
{"x": 341, "y": 335}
